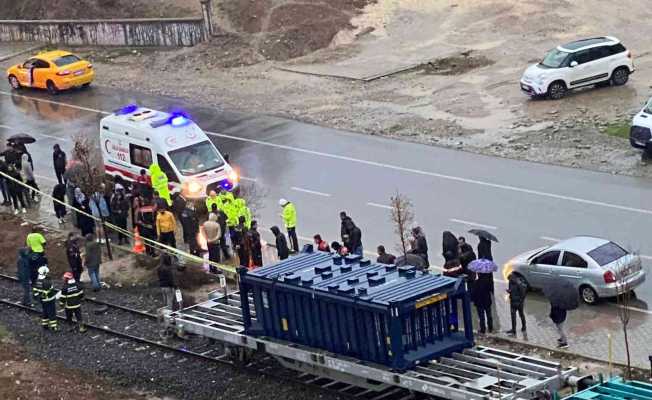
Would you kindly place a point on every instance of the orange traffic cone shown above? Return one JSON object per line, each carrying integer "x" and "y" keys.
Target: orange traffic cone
{"x": 139, "y": 246}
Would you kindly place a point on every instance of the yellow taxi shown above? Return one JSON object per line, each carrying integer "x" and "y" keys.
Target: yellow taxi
{"x": 53, "y": 70}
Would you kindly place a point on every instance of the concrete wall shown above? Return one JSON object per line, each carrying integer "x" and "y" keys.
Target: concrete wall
{"x": 126, "y": 32}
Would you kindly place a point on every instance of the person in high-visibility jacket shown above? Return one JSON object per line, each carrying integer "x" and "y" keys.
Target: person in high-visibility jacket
{"x": 47, "y": 294}
{"x": 70, "y": 298}
{"x": 243, "y": 211}
{"x": 231, "y": 212}
{"x": 223, "y": 197}
{"x": 160, "y": 182}
{"x": 290, "y": 220}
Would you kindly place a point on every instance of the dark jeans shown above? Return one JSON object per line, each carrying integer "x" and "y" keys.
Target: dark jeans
{"x": 76, "y": 272}
{"x": 18, "y": 199}
{"x": 485, "y": 313}
{"x": 59, "y": 175}
{"x": 514, "y": 309}
{"x": 121, "y": 222}
{"x": 294, "y": 241}
{"x": 27, "y": 292}
{"x": 5, "y": 190}
{"x": 225, "y": 248}
{"x": 168, "y": 239}
{"x": 213, "y": 255}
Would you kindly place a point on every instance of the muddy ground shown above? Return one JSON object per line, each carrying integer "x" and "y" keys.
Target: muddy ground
{"x": 465, "y": 96}
{"x": 24, "y": 377}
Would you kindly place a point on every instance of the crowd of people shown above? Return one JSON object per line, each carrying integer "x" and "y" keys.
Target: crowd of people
{"x": 227, "y": 231}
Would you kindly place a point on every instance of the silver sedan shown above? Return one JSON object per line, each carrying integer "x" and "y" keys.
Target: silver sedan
{"x": 598, "y": 268}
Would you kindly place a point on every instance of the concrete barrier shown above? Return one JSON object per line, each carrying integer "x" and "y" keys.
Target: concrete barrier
{"x": 172, "y": 32}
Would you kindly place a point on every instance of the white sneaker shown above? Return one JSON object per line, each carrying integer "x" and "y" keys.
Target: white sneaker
{"x": 102, "y": 241}
{"x": 24, "y": 211}
{"x": 61, "y": 221}
{"x": 16, "y": 212}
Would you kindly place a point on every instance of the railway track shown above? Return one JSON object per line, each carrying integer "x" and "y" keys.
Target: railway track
{"x": 141, "y": 328}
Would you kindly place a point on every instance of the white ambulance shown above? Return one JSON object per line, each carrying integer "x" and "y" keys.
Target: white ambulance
{"x": 133, "y": 138}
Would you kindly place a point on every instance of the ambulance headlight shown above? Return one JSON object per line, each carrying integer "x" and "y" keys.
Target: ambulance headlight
{"x": 193, "y": 189}
{"x": 233, "y": 177}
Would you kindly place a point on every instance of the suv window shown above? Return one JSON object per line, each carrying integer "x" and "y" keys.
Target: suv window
{"x": 600, "y": 52}
{"x": 549, "y": 258}
{"x": 573, "y": 260}
{"x": 140, "y": 156}
{"x": 167, "y": 168}
{"x": 617, "y": 48}
{"x": 607, "y": 253}
{"x": 582, "y": 57}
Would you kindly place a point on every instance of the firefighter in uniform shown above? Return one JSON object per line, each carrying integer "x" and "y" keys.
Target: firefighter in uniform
{"x": 70, "y": 298}
{"x": 46, "y": 293}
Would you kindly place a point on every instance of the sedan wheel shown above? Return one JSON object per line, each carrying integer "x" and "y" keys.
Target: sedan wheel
{"x": 13, "y": 81}
{"x": 589, "y": 296}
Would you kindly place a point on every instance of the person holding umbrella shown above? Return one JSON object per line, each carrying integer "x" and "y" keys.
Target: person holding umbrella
{"x": 563, "y": 297}
{"x": 481, "y": 291}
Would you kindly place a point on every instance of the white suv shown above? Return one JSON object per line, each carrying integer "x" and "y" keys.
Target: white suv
{"x": 601, "y": 61}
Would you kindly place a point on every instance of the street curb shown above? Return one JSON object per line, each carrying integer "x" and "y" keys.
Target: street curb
{"x": 567, "y": 353}
{"x": 28, "y": 50}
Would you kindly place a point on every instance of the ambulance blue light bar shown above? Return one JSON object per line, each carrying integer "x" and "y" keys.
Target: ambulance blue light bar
{"x": 175, "y": 119}
{"x": 128, "y": 109}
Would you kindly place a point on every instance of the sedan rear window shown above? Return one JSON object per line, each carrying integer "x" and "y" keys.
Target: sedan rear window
{"x": 66, "y": 60}
{"x": 607, "y": 253}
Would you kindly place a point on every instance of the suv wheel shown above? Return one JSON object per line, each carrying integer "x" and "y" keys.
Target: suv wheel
{"x": 557, "y": 90}
{"x": 588, "y": 295}
{"x": 620, "y": 76}
{"x": 14, "y": 82}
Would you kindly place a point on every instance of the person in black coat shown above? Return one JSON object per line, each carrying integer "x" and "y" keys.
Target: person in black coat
{"x": 481, "y": 297}
{"x": 190, "y": 225}
{"x": 120, "y": 212}
{"x": 16, "y": 191}
{"x": 517, "y": 290}
{"x": 420, "y": 245}
{"x": 346, "y": 226}
{"x": 166, "y": 280}
{"x": 6, "y": 198}
{"x": 73, "y": 253}
{"x": 59, "y": 162}
{"x": 240, "y": 242}
{"x": 59, "y": 193}
{"x": 450, "y": 247}
{"x": 24, "y": 273}
{"x": 281, "y": 243}
{"x": 255, "y": 247}
{"x": 484, "y": 249}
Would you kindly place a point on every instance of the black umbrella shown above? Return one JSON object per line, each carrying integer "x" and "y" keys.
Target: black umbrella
{"x": 484, "y": 234}
{"x": 562, "y": 294}
{"x": 21, "y": 138}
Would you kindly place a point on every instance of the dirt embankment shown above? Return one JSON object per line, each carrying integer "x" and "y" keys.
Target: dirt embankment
{"x": 93, "y": 9}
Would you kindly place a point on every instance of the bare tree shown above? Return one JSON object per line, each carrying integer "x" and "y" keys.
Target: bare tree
{"x": 402, "y": 218}
{"x": 624, "y": 299}
{"x": 87, "y": 172}
{"x": 254, "y": 195}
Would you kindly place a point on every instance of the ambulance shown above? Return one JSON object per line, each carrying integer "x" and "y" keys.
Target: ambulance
{"x": 134, "y": 137}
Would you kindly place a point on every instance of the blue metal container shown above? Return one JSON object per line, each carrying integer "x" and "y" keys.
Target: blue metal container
{"x": 390, "y": 315}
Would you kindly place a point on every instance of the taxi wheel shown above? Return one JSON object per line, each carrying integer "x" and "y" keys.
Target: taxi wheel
{"x": 14, "y": 82}
{"x": 85, "y": 85}
{"x": 52, "y": 88}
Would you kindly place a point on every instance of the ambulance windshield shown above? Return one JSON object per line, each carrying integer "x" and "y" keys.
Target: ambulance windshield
{"x": 195, "y": 159}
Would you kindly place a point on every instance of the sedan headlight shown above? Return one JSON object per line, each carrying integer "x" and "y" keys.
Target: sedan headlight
{"x": 507, "y": 269}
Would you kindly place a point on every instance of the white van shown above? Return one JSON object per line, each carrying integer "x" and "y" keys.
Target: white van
{"x": 133, "y": 137}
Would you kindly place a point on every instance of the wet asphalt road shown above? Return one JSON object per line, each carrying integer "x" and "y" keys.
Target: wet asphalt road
{"x": 324, "y": 171}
